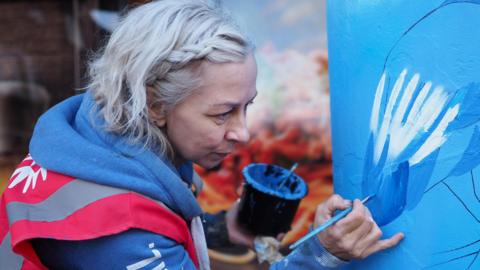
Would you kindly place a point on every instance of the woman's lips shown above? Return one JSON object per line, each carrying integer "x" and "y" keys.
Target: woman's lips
{"x": 222, "y": 154}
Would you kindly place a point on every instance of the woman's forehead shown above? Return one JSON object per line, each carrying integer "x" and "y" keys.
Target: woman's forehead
{"x": 222, "y": 84}
{"x": 230, "y": 71}
{"x": 225, "y": 101}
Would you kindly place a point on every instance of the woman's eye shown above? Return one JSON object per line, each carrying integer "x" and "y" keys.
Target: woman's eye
{"x": 223, "y": 116}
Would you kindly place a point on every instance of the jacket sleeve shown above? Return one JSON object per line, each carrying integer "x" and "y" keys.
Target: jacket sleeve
{"x": 131, "y": 250}
{"x": 309, "y": 255}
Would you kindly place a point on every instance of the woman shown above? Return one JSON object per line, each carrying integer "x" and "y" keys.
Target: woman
{"x": 108, "y": 181}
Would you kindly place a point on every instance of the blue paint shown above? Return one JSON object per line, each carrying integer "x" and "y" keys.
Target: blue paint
{"x": 420, "y": 175}
{"x": 412, "y": 101}
{"x": 416, "y": 143}
{"x": 469, "y": 97}
{"x": 266, "y": 178}
{"x": 438, "y": 40}
{"x": 372, "y": 176}
{"x": 265, "y": 207}
{"x": 389, "y": 178}
{"x": 394, "y": 193}
{"x": 390, "y": 199}
{"x": 469, "y": 113}
{"x": 470, "y": 157}
{"x": 367, "y": 182}
{"x": 388, "y": 181}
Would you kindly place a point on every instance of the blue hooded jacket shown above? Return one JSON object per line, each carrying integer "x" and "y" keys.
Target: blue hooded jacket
{"x": 70, "y": 139}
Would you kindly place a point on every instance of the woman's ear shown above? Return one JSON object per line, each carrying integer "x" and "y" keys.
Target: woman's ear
{"x": 156, "y": 110}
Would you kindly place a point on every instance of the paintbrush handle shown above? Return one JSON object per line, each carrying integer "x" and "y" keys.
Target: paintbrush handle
{"x": 322, "y": 227}
{"x": 290, "y": 172}
{"x": 327, "y": 224}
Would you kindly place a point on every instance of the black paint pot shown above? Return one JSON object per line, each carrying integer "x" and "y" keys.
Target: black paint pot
{"x": 268, "y": 207}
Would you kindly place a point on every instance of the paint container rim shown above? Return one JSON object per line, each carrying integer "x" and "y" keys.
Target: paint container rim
{"x": 262, "y": 188}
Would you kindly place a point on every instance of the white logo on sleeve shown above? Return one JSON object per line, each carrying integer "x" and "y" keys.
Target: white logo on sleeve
{"x": 28, "y": 174}
{"x": 156, "y": 256}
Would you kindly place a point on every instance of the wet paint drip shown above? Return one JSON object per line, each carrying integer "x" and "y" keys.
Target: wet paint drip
{"x": 404, "y": 145}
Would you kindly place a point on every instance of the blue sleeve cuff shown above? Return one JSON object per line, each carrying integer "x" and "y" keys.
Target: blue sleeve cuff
{"x": 322, "y": 256}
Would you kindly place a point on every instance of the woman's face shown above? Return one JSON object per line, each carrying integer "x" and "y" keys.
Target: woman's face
{"x": 205, "y": 127}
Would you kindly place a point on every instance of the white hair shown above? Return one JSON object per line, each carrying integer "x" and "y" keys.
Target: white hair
{"x": 157, "y": 44}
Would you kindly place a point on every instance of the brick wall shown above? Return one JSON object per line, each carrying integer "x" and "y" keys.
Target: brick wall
{"x": 46, "y": 42}
{"x": 37, "y": 43}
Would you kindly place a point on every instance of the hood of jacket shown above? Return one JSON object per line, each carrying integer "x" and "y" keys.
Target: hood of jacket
{"x": 70, "y": 138}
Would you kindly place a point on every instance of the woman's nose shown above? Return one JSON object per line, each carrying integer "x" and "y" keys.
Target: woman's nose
{"x": 239, "y": 131}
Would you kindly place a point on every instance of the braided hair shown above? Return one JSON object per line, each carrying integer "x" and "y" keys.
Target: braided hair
{"x": 161, "y": 45}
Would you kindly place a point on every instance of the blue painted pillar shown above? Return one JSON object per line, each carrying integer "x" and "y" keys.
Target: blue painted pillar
{"x": 405, "y": 102}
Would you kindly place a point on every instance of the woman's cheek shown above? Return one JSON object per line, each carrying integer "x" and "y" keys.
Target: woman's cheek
{"x": 214, "y": 141}
{"x": 214, "y": 138}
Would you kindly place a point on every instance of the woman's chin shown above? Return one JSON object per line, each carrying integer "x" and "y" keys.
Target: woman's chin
{"x": 210, "y": 163}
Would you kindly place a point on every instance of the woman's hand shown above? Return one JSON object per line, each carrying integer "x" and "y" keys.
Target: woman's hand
{"x": 354, "y": 237}
{"x": 236, "y": 233}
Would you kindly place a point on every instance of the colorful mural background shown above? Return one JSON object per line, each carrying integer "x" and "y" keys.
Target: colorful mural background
{"x": 290, "y": 120}
{"x": 404, "y": 76}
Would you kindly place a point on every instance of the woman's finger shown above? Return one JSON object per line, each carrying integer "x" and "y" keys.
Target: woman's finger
{"x": 370, "y": 239}
{"x": 326, "y": 210}
{"x": 350, "y": 245}
{"x": 280, "y": 236}
{"x": 354, "y": 219}
{"x": 383, "y": 244}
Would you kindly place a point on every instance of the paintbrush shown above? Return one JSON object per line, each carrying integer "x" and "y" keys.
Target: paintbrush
{"x": 282, "y": 182}
{"x": 327, "y": 224}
